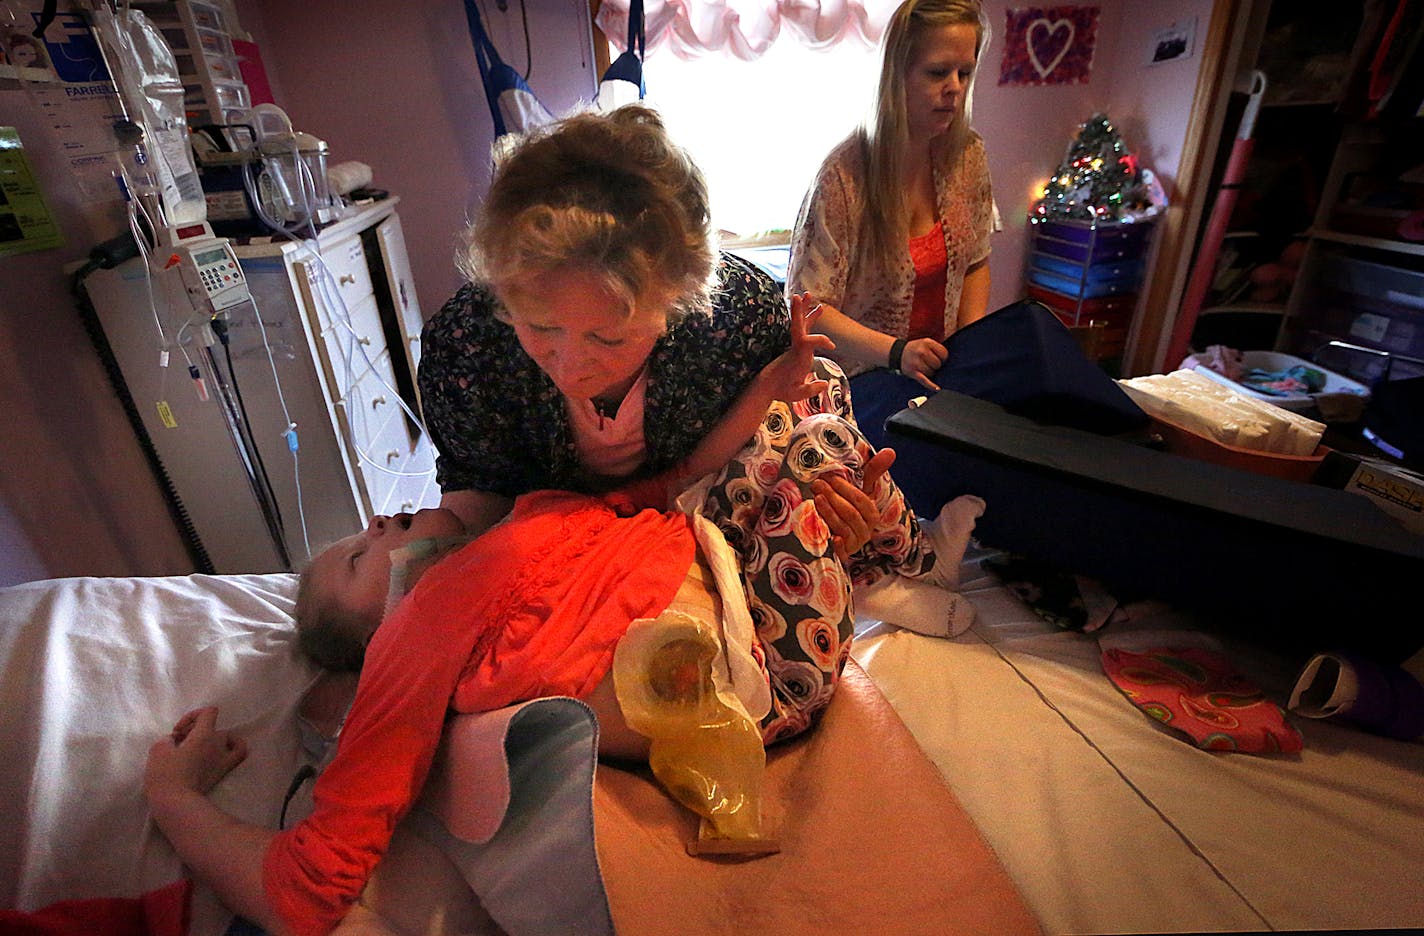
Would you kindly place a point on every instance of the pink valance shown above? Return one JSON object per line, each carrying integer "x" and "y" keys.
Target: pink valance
{"x": 746, "y": 28}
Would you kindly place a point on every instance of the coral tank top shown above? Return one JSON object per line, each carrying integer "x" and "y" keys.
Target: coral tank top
{"x": 931, "y": 263}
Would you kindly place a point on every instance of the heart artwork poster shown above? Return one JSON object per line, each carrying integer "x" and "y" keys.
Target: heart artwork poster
{"x": 1049, "y": 45}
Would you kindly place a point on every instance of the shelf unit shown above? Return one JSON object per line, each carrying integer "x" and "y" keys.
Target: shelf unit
{"x": 1316, "y": 263}
{"x": 1358, "y": 305}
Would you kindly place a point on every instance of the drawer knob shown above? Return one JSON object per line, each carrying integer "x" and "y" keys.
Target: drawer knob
{"x": 407, "y": 506}
{"x": 378, "y": 402}
{"x": 363, "y": 340}
{"x": 346, "y": 279}
{"x": 391, "y": 456}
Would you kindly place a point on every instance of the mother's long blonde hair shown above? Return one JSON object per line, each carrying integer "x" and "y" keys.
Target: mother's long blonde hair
{"x": 885, "y": 137}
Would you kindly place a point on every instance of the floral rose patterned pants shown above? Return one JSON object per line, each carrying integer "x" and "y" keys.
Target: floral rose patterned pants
{"x": 800, "y": 593}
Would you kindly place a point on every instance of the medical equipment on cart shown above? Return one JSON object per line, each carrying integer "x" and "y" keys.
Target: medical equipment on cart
{"x": 167, "y": 218}
{"x": 211, "y": 274}
{"x": 201, "y": 305}
{"x": 265, "y": 177}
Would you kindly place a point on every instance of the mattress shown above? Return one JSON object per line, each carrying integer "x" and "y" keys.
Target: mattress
{"x": 1109, "y": 822}
{"x": 1103, "y": 820}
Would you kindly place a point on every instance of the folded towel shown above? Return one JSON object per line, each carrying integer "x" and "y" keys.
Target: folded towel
{"x": 510, "y": 801}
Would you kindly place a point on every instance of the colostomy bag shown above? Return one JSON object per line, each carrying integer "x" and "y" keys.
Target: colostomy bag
{"x": 705, "y": 749}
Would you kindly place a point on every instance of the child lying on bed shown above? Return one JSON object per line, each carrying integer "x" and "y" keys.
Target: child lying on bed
{"x": 536, "y": 606}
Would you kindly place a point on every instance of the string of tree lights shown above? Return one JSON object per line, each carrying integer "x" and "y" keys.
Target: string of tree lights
{"x": 1099, "y": 179}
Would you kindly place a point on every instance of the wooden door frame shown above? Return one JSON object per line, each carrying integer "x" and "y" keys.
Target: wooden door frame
{"x": 601, "y": 59}
{"x": 1222, "y": 53}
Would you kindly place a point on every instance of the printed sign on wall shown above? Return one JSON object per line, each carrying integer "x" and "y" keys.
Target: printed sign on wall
{"x": 25, "y": 222}
{"x": 1049, "y": 45}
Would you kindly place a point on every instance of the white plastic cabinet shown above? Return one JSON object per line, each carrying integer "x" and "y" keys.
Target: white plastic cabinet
{"x": 343, "y": 329}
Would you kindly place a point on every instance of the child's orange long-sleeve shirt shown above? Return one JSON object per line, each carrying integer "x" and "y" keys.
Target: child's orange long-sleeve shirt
{"x": 532, "y": 608}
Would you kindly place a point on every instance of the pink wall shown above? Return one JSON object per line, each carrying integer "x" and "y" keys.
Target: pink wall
{"x": 76, "y": 497}
{"x": 401, "y": 92}
{"x": 425, "y": 131}
{"x": 1027, "y": 129}
{"x": 395, "y": 86}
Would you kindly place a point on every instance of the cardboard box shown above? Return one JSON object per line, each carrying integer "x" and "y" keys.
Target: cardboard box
{"x": 1395, "y": 489}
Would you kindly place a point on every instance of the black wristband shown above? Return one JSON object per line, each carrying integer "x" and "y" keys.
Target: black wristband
{"x": 897, "y": 351}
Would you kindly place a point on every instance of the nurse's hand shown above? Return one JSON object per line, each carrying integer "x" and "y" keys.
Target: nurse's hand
{"x": 921, "y": 358}
{"x": 850, "y": 511}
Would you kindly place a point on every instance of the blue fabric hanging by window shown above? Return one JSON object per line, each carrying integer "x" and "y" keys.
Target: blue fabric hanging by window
{"x": 626, "y": 73}
{"x": 513, "y": 106}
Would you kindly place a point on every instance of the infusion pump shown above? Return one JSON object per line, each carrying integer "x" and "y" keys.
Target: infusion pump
{"x": 210, "y": 273}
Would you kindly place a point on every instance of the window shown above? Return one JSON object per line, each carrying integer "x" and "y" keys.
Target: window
{"x": 760, "y": 129}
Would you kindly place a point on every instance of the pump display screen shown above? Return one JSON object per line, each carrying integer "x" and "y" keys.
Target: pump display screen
{"x": 209, "y": 256}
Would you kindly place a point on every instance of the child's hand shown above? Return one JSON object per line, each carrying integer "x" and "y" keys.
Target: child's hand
{"x": 654, "y": 493}
{"x": 788, "y": 378}
{"x": 850, "y": 511}
{"x": 194, "y": 757}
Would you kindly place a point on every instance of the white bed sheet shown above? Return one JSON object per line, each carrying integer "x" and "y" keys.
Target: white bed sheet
{"x": 1105, "y": 821}
{"x": 1109, "y": 822}
{"x": 92, "y": 672}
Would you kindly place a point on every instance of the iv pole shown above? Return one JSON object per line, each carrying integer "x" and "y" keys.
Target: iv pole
{"x": 129, "y": 132}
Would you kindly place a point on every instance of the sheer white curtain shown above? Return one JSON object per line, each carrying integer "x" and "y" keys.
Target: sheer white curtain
{"x": 745, "y": 29}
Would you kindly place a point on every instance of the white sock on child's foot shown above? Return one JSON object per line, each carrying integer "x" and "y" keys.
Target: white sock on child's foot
{"x": 915, "y": 604}
{"x": 949, "y": 534}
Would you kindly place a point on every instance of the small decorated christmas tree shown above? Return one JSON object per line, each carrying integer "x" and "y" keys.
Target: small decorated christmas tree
{"x": 1098, "y": 179}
